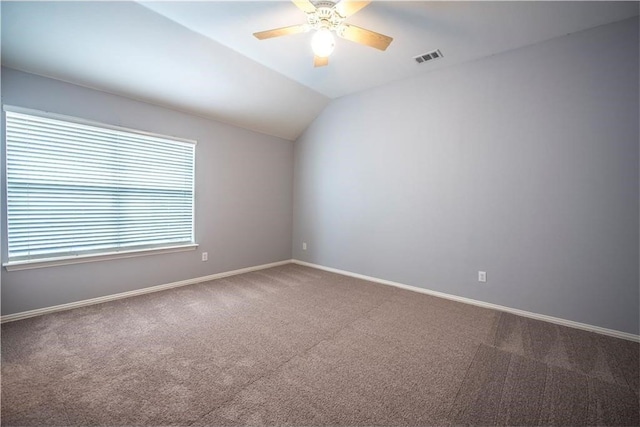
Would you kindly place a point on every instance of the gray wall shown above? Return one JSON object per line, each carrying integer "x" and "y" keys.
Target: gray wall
{"x": 524, "y": 164}
{"x": 243, "y": 198}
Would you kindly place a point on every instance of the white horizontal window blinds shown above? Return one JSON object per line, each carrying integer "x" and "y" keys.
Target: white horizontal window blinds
{"x": 75, "y": 189}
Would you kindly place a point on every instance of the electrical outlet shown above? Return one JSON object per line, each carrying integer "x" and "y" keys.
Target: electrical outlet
{"x": 304, "y": 246}
{"x": 205, "y": 256}
{"x": 482, "y": 276}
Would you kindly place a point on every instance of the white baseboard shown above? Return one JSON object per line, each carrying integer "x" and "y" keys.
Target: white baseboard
{"x": 543, "y": 317}
{"x": 92, "y": 301}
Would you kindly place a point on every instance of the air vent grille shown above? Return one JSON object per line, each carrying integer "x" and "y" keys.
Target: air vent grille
{"x": 429, "y": 56}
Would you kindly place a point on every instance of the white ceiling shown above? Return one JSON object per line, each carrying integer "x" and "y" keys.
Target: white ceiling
{"x": 201, "y": 57}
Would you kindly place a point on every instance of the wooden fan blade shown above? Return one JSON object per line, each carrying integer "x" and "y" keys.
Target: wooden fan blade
{"x": 365, "y": 37}
{"x": 305, "y": 5}
{"x": 347, "y": 8}
{"x": 320, "y": 62}
{"x": 284, "y": 31}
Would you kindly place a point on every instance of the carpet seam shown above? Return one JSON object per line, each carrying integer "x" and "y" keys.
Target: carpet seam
{"x": 504, "y": 382}
{"x": 66, "y": 414}
{"x": 466, "y": 375}
{"x": 591, "y": 410}
{"x": 547, "y": 373}
{"x": 497, "y": 329}
{"x": 543, "y": 402}
{"x": 305, "y": 351}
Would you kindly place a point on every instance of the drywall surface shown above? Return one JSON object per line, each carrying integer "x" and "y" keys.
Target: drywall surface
{"x": 523, "y": 165}
{"x": 243, "y": 198}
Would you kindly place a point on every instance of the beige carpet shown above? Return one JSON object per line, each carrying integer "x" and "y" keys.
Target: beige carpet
{"x": 293, "y": 345}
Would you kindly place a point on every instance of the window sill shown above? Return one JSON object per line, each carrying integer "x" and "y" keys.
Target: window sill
{"x": 53, "y": 262}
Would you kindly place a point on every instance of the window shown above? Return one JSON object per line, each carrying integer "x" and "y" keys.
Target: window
{"x": 76, "y": 190}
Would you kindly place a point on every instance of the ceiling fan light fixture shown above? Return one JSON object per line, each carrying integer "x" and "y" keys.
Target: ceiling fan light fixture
{"x": 323, "y": 43}
{"x": 326, "y": 17}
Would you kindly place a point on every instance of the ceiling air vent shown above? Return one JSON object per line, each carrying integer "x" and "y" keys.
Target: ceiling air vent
{"x": 429, "y": 56}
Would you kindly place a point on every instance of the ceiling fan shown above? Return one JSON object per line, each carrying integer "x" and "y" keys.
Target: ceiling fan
{"x": 325, "y": 17}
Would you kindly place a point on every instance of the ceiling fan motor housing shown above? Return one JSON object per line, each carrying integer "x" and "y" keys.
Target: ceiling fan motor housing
{"x": 325, "y": 16}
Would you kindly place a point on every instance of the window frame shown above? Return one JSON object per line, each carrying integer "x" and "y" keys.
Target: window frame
{"x": 108, "y": 254}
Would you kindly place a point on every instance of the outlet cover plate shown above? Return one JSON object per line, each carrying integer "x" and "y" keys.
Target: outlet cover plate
{"x": 482, "y": 276}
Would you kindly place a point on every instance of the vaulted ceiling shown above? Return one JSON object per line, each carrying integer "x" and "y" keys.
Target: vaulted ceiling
{"x": 201, "y": 57}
